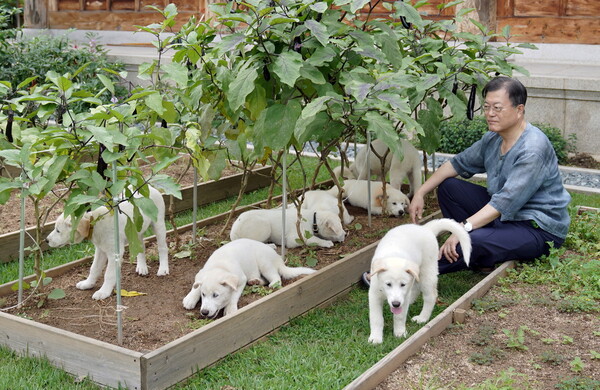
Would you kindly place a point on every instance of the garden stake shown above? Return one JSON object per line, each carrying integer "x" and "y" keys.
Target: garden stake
{"x": 194, "y": 205}
{"x": 117, "y": 262}
{"x": 284, "y": 199}
{"x": 368, "y": 175}
{"x": 22, "y": 240}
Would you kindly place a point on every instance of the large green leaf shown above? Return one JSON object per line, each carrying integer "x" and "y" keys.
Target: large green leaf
{"x": 275, "y": 126}
{"x": 176, "y": 72}
{"x": 322, "y": 56}
{"x": 318, "y": 30}
{"x": 241, "y": 87}
{"x": 355, "y": 5}
{"x": 384, "y": 130}
{"x": 287, "y": 67}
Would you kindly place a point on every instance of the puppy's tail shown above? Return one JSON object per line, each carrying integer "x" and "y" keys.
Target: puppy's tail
{"x": 446, "y": 224}
{"x": 293, "y": 272}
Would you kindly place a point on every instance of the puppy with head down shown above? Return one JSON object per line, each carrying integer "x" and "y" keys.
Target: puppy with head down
{"x": 98, "y": 226}
{"x": 220, "y": 283}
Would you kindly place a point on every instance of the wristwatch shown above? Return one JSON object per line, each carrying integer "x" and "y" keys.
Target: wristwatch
{"x": 468, "y": 226}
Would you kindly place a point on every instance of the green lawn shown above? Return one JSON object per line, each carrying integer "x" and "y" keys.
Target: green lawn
{"x": 327, "y": 348}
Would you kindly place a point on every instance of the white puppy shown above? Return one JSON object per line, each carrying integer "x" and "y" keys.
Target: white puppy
{"x": 221, "y": 281}
{"x": 319, "y": 200}
{"x": 322, "y": 227}
{"x": 98, "y": 225}
{"x": 355, "y": 191}
{"x": 405, "y": 264}
{"x": 409, "y": 166}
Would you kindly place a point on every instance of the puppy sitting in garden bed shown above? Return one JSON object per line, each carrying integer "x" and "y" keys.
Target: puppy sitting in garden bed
{"x": 405, "y": 264}
{"x": 220, "y": 283}
{"x": 399, "y": 169}
{"x": 356, "y": 192}
{"x": 322, "y": 228}
{"x": 98, "y": 226}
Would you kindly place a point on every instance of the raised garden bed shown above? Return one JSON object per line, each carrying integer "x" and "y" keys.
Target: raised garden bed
{"x": 168, "y": 363}
{"x": 208, "y": 192}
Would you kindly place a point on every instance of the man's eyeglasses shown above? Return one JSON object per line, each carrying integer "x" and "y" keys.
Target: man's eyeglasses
{"x": 496, "y": 109}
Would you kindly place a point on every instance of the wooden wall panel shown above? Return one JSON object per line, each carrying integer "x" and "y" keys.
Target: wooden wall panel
{"x": 537, "y": 7}
{"x": 583, "y": 8}
{"x": 122, "y": 5}
{"x": 101, "y": 20}
{"x": 553, "y": 30}
{"x": 66, "y": 5}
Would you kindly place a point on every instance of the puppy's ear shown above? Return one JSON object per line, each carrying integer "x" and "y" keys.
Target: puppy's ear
{"x": 83, "y": 228}
{"x": 414, "y": 273}
{"x": 231, "y": 281}
{"x": 379, "y": 200}
{"x": 377, "y": 266}
{"x": 196, "y": 285}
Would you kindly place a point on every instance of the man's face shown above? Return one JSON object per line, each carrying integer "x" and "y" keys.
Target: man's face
{"x": 499, "y": 112}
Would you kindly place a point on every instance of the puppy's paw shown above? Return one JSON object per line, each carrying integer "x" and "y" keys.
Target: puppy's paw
{"x": 84, "y": 285}
{"x": 375, "y": 339}
{"x": 163, "y": 271}
{"x": 141, "y": 269}
{"x": 101, "y": 294}
{"x": 327, "y": 244}
{"x": 189, "y": 302}
{"x": 400, "y": 332}
{"x": 420, "y": 319}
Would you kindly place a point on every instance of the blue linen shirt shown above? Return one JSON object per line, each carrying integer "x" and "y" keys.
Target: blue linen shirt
{"x": 525, "y": 183}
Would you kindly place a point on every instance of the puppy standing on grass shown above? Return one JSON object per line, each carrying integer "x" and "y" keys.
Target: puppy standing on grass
{"x": 220, "y": 283}
{"x": 405, "y": 264}
{"x": 98, "y": 225}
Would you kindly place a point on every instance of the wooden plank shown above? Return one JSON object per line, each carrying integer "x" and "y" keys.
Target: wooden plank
{"x": 505, "y": 8}
{"x": 102, "y": 20}
{"x": 36, "y": 13}
{"x": 581, "y": 30}
{"x": 208, "y": 192}
{"x": 380, "y": 371}
{"x": 81, "y": 356}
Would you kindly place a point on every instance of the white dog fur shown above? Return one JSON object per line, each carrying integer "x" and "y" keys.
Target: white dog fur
{"x": 98, "y": 225}
{"x": 221, "y": 281}
{"x": 404, "y": 265}
{"x": 409, "y": 167}
{"x": 355, "y": 192}
{"x": 266, "y": 226}
{"x": 320, "y": 200}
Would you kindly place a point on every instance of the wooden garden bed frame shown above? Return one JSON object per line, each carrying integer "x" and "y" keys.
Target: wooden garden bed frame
{"x": 112, "y": 365}
{"x": 208, "y": 192}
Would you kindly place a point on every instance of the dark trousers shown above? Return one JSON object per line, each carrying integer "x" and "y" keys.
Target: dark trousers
{"x": 496, "y": 242}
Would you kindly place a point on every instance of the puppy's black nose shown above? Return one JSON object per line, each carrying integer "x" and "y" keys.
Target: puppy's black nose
{"x": 396, "y": 304}
{"x": 204, "y": 313}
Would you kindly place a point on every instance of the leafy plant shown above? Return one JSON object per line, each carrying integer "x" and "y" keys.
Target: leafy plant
{"x": 516, "y": 340}
{"x": 484, "y": 335}
{"x": 553, "y": 358}
{"x": 577, "y": 365}
{"x": 578, "y": 383}
{"x": 487, "y": 357}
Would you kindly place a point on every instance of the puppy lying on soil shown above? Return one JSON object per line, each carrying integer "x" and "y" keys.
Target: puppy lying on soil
{"x": 98, "y": 226}
{"x": 355, "y": 191}
{"x": 404, "y": 265}
{"x": 323, "y": 227}
{"x": 409, "y": 167}
{"x": 319, "y": 200}
{"x": 220, "y": 283}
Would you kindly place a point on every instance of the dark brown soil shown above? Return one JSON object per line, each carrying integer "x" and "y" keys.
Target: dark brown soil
{"x": 158, "y": 317}
{"x": 583, "y": 160}
{"x": 479, "y": 350}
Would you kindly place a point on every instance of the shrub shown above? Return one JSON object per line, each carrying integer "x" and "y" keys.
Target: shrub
{"x": 23, "y": 58}
{"x": 457, "y": 135}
